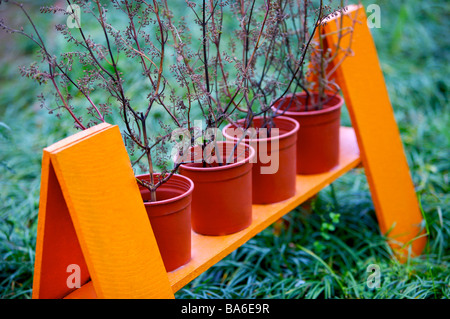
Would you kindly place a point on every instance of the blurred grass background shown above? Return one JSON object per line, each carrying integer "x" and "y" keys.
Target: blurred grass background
{"x": 327, "y": 247}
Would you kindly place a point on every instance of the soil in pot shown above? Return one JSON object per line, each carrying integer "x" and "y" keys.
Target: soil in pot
{"x": 222, "y": 198}
{"x": 170, "y": 218}
{"x": 274, "y": 170}
{"x": 318, "y": 138}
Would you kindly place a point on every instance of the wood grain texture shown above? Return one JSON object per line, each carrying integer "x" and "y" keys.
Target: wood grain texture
{"x": 52, "y": 257}
{"x": 97, "y": 182}
{"x": 51, "y": 253}
{"x": 382, "y": 153}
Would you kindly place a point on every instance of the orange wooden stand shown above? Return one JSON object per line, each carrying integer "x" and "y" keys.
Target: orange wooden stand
{"x": 367, "y": 100}
{"x": 91, "y": 213}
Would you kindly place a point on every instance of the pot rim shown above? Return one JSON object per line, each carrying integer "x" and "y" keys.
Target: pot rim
{"x": 315, "y": 112}
{"x": 172, "y": 199}
{"x": 267, "y": 139}
{"x": 225, "y": 167}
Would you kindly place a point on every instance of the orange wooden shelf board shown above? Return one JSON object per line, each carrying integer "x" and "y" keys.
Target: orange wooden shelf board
{"x": 208, "y": 250}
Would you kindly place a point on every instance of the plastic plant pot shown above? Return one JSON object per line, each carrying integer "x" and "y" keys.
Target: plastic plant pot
{"x": 274, "y": 171}
{"x": 222, "y": 198}
{"x": 318, "y": 138}
{"x": 170, "y": 218}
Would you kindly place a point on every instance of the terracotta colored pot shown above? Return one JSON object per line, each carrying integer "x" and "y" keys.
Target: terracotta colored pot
{"x": 274, "y": 170}
{"x": 170, "y": 217}
{"x": 318, "y": 140}
{"x": 222, "y": 199}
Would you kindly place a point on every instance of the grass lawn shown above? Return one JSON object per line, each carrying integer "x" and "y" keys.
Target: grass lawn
{"x": 327, "y": 245}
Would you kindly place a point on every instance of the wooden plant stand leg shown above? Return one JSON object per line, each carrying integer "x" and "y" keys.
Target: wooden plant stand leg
{"x": 91, "y": 216}
{"x": 366, "y": 97}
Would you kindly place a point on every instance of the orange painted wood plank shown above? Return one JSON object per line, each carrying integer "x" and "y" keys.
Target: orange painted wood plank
{"x": 50, "y": 275}
{"x": 87, "y": 291}
{"x": 100, "y": 193}
{"x": 78, "y": 137}
{"x": 382, "y": 153}
{"x": 208, "y": 250}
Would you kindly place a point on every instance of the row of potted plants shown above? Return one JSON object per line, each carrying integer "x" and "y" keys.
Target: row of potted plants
{"x": 207, "y": 185}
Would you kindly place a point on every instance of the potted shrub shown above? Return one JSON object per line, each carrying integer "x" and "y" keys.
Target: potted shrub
{"x": 92, "y": 67}
{"x": 317, "y": 107}
{"x": 274, "y": 179}
{"x": 214, "y": 82}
